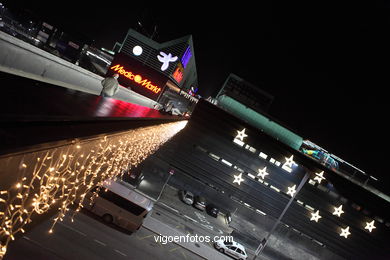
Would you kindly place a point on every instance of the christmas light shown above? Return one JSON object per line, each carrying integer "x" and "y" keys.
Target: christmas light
{"x": 319, "y": 177}
{"x": 315, "y": 216}
{"x": 338, "y": 211}
{"x": 287, "y": 166}
{"x": 262, "y": 173}
{"x": 345, "y": 232}
{"x": 238, "y": 179}
{"x": 370, "y": 226}
{"x": 62, "y": 176}
{"x": 291, "y": 190}
{"x": 241, "y": 135}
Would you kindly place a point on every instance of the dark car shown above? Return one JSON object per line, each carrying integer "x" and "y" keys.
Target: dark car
{"x": 212, "y": 210}
{"x": 200, "y": 202}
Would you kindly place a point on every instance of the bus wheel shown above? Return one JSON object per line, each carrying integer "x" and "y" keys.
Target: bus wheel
{"x": 107, "y": 218}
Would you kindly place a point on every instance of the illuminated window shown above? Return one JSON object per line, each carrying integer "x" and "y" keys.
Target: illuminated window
{"x": 261, "y": 212}
{"x": 213, "y": 156}
{"x": 251, "y": 176}
{"x": 239, "y": 142}
{"x": 226, "y": 162}
{"x": 263, "y": 155}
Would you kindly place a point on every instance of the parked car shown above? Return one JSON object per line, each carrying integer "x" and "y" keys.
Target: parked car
{"x": 233, "y": 249}
{"x": 187, "y": 197}
{"x": 228, "y": 217}
{"x": 200, "y": 202}
{"x": 212, "y": 210}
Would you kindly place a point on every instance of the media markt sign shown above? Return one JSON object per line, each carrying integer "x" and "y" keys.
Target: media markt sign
{"x": 137, "y": 76}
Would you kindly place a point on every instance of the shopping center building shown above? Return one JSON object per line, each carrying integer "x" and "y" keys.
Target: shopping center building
{"x": 298, "y": 200}
{"x": 162, "y": 72}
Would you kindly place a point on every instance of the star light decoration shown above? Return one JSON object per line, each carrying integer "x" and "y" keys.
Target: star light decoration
{"x": 262, "y": 173}
{"x": 338, "y": 211}
{"x": 241, "y": 134}
{"x": 62, "y": 176}
{"x": 315, "y": 216}
{"x": 370, "y": 226}
{"x": 287, "y": 166}
{"x": 238, "y": 179}
{"x": 319, "y": 177}
{"x": 345, "y": 232}
{"x": 291, "y": 190}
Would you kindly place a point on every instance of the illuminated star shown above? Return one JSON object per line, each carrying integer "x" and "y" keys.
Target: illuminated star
{"x": 345, "y": 232}
{"x": 338, "y": 211}
{"x": 238, "y": 179}
{"x": 315, "y": 216}
{"x": 319, "y": 177}
{"x": 241, "y": 135}
{"x": 289, "y": 161}
{"x": 263, "y": 173}
{"x": 291, "y": 190}
{"x": 370, "y": 226}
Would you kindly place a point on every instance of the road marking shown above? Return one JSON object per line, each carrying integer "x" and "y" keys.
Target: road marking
{"x": 183, "y": 254}
{"x": 119, "y": 252}
{"x": 75, "y": 230}
{"x": 190, "y": 218}
{"x": 173, "y": 249}
{"x": 99, "y": 242}
{"x": 162, "y": 203}
{"x": 140, "y": 238}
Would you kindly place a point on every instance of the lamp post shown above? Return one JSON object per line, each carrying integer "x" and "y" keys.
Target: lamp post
{"x": 264, "y": 242}
{"x": 171, "y": 172}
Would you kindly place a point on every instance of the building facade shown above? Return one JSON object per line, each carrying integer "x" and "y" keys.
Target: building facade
{"x": 324, "y": 213}
{"x": 160, "y": 71}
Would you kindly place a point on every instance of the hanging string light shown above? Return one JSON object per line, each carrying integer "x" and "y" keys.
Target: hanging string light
{"x": 61, "y": 177}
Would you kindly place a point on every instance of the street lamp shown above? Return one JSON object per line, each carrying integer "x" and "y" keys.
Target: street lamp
{"x": 171, "y": 172}
{"x": 264, "y": 242}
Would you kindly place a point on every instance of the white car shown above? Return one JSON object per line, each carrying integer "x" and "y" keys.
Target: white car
{"x": 233, "y": 249}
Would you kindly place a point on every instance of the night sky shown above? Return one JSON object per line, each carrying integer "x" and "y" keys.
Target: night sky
{"x": 326, "y": 65}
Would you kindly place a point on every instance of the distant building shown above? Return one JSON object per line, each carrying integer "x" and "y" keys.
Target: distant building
{"x": 162, "y": 72}
{"x": 250, "y": 165}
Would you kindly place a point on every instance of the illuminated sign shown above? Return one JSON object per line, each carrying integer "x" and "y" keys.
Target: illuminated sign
{"x": 136, "y": 78}
{"x": 186, "y": 56}
{"x": 178, "y": 73}
{"x": 166, "y": 59}
{"x": 137, "y": 50}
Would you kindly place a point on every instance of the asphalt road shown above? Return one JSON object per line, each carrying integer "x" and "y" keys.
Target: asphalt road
{"x": 88, "y": 238}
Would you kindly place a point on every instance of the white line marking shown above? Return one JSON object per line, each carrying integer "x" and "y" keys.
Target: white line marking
{"x": 169, "y": 207}
{"x": 99, "y": 242}
{"x": 75, "y": 230}
{"x": 191, "y": 218}
{"x": 119, "y": 252}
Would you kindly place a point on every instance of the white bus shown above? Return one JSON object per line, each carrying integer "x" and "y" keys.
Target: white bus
{"x": 120, "y": 205}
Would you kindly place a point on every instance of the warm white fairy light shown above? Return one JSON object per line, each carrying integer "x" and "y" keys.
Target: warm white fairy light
{"x": 62, "y": 176}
